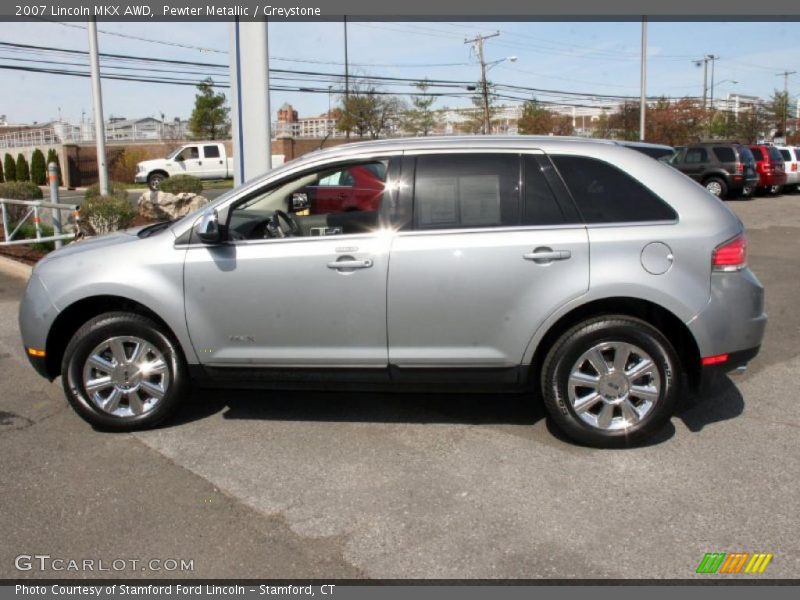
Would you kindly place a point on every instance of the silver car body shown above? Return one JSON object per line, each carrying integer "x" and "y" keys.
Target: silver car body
{"x": 460, "y": 299}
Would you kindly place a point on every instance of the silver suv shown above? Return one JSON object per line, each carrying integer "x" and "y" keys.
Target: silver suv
{"x": 579, "y": 271}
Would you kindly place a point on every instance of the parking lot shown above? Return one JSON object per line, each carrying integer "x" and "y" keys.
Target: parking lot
{"x": 349, "y": 485}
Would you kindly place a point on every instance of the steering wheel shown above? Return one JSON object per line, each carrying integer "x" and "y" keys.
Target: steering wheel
{"x": 275, "y": 226}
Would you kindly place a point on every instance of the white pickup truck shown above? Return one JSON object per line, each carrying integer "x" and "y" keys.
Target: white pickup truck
{"x": 204, "y": 160}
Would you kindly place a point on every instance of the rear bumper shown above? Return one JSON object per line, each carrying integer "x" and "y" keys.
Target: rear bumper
{"x": 736, "y": 360}
{"x": 772, "y": 178}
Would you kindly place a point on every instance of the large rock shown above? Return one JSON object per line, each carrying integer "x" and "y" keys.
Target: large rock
{"x": 160, "y": 206}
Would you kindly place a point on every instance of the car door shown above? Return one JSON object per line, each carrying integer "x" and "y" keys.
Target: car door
{"x": 490, "y": 255}
{"x": 316, "y": 300}
{"x": 190, "y": 161}
{"x": 213, "y": 163}
{"x": 695, "y": 162}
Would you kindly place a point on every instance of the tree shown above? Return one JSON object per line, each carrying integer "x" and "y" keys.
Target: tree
{"x": 420, "y": 119}
{"x": 778, "y": 110}
{"x": 52, "y": 157}
{"x": 538, "y": 120}
{"x": 209, "y": 118}
{"x": 625, "y": 122}
{"x": 752, "y": 124}
{"x": 367, "y": 113}
{"x": 23, "y": 172}
{"x": 38, "y": 169}
{"x": 9, "y": 168}
{"x": 601, "y": 128}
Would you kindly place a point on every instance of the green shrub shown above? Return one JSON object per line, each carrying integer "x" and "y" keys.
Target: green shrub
{"x": 18, "y": 190}
{"x": 104, "y": 214}
{"x": 180, "y": 184}
{"x": 38, "y": 168}
{"x": 52, "y": 156}
{"x": 28, "y": 231}
{"x": 9, "y": 168}
{"x": 23, "y": 171}
{"x": 115, "y": 190}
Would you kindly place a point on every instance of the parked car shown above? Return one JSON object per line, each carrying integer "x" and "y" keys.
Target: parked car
{"x": 725, "y": 169}
{"x": 770, "y": 167}
{"x": 576, "y": 271}
{"x": 660, "y": 152}
{"x": 791, "y": 159}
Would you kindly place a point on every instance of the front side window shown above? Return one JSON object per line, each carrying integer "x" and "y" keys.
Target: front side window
{"x": 606, "y": 194}
{"x": 188, "y": 153}
{"x": 696, "y": 155}
{"x": 330, "y": 201}
{"x": 453, "y": 191}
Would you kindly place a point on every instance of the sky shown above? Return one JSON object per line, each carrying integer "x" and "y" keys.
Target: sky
{"x": 594, "y": 58}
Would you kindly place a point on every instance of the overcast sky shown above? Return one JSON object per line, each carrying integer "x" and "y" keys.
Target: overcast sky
{"x": 596, "y": 58}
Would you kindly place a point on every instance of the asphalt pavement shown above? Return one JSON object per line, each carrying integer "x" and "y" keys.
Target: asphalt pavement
{"x": 415, "y": 485}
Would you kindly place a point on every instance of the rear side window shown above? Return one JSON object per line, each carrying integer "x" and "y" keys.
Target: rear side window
{"x": 606, "y": 194}
{"x": 211, "y": 151}
{"x": 454, "y": 191}
{"x": 696, "y": 155}
{"x": 757, "y": 154}
{"x": 539, "y": 205}
{"x": 724, "y": 154}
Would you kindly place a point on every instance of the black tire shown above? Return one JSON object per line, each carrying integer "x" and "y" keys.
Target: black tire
{"x": 716, "y": 183}
{"x": 748, "y": 191}
{"x": 571, "y": 346}
{"x": 94, "y": 333}
{"x": 775, "y": 190}
{"x": 154, "y": 181}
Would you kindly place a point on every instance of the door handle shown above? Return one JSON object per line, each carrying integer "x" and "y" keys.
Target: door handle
{"x": 350, "y": 264}
{"x": 547, "y": 255}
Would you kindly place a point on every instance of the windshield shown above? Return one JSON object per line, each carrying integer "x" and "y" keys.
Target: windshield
{"x": 174, "y": 153}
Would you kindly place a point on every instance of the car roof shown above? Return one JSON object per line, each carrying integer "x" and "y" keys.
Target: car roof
{"x": 634, "y": 144}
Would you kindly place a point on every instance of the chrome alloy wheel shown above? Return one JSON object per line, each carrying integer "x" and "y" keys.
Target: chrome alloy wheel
{"x": 125, "y": 376}
{"x": 614, "y": 385}
{"x": 715, "y": 187}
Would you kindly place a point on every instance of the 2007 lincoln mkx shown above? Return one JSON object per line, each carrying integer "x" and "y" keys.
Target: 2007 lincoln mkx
{"x": 583, "y": 273}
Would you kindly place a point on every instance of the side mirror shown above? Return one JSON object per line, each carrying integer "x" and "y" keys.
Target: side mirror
{"x": 299, "y": 202}
{"x": 208, "y": 228}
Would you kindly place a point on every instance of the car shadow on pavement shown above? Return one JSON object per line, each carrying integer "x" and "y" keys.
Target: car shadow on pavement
{"x": 380, "y": 407}
{"x": 720, "y": 402}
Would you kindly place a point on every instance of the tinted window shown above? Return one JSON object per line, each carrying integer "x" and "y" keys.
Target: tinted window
{"x": 539, "y": 205}
{"x": 211, "y": 151}
{"x": 696, "y": 155}
{"x": 786, "y": 155}
{"x": 725, "y": 154}
{"x": 774, "y": 153}
{"x": 457, "y": 190}
{"x": 605, "y": 194}
{"x": 757, "y": 154}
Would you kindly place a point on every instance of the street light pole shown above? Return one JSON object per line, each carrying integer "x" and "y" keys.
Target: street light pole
{"x": 97, "y": 105}
{"x": 643, "y": 99}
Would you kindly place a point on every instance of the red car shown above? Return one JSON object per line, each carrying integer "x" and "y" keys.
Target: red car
{"x": 353, "y": 188}
{"x": 770, "y": 168}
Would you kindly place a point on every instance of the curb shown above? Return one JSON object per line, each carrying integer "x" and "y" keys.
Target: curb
{"x": 15, "y": 268}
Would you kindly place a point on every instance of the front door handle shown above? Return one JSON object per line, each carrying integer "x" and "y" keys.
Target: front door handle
{"x": 545, "y": 255}
{"x": 350, "y": 264}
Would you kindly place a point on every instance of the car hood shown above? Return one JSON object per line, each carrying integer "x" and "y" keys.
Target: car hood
{"x": 155, "y": 162}
{"x": 101, "y": 242}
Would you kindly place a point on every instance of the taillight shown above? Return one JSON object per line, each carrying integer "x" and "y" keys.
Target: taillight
{"x": 730, "y": 256}
{"x": 739, "y": 168}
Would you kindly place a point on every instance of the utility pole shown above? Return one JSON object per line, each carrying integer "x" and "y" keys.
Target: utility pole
{"x": 346, "y": 76}
{"x": 713, "y": 59}
{"x": 785, "y": 96}
{"x": 643, "y": 99}
{"x": 706, "y": 58}
{"x": 477, "y": 41}
{"x": 97, "y": 104}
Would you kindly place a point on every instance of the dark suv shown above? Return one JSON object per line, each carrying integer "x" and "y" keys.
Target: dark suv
{"x": 725, "y": 169}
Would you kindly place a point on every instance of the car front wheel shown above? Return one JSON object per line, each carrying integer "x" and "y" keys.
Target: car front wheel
{"x": 717, "y": 187}
{"x": 154, "y": 181}
{"x": 121, "y": 372}
{"x": 610, "y": 381}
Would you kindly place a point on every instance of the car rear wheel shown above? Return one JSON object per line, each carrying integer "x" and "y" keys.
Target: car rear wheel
{"x": 717, "y": 187}
{"x": 610, "y": 381}
{"x": 121, "y": 372}
{"x": 775, "y": 189}
{"x": 748, "y": 191}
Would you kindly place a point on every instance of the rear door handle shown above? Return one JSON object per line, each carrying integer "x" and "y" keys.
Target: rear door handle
{"x": 546, "y": 255}
{"x": 350, "y": 264}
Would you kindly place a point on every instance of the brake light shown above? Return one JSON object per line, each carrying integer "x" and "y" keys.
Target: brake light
{"x": 739, "y": 168}
{"x": 714, "y": 360}
{"x": 730, "y": 256}
{"x": 794, "y": 166}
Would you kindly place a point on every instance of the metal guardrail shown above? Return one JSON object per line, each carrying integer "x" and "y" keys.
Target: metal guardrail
{"x": 34, "y": 210}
